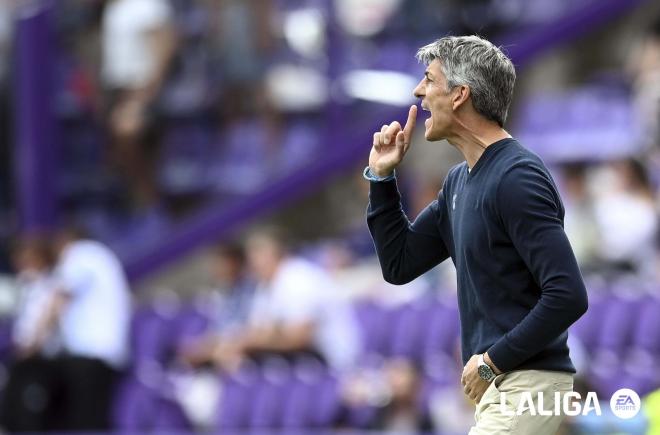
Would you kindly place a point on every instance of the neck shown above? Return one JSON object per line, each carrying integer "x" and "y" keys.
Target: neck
{"x": 472, "y": 138}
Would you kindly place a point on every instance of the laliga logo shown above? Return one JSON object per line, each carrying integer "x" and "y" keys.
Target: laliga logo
{"x": 625, "y": 403}
{"x": 563, "y": 405}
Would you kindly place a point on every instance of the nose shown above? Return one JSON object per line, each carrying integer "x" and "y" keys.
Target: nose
{"x": 418, "y": 92}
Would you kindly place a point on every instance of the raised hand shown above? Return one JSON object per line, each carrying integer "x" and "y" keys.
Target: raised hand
{"x": 390, "y": 145}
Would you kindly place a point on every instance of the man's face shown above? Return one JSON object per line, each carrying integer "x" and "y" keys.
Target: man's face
{"x": 263, "y": 256}
{"x": 436, "y": 101}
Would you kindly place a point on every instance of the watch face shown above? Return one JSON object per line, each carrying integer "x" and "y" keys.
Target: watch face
{"x": 485, "y": 372}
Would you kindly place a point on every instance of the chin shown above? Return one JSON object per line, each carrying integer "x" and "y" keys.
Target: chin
{"x": 433, "y": 136}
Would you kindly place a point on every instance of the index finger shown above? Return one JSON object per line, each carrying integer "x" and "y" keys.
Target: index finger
{"x": 410, "y": 123}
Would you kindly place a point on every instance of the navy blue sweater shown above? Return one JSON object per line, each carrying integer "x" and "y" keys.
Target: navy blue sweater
{"x": 519, "y": 286}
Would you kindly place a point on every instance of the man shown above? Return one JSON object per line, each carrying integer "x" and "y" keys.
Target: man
{"x": 139, "y": 43}
{"x": 229, "y": 301}
{"x": 499, "y": 217}
{"x": 30, "y": 396}
{"x": 91, "y": 309}
{"x": 296, "y": 310}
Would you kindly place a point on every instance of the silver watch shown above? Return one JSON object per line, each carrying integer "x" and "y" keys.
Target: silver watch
{"x": 485, "y": 372}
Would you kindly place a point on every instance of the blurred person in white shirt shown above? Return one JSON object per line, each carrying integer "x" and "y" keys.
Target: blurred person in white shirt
{"x": 626, "y": 218}
{"x": 297, "y": 310}
{"x": 138, "y": 45}
{"x": 31, "y": 391}
{"x": 92, "y": 308}
{"x": 33, "y": 259}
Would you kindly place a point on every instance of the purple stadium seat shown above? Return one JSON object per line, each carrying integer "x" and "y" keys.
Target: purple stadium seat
{"x": 302, "y": 394}
{"x": 134, "y": 406}
{"x": 618, "y": 323}
{"x": 170, "y": 417}
{"x": 326, "y": 405}
{"x": 372, "y": 319}
{"x": 150, "y": 336}
{"x": 638, "y": 366}
{"x": 297, "y": 404}
{"x": 646, "y": 334}
{"x": 408, "y": 329}
{"x": 442, "y": 329}
{"x": 620, "y": 320}
{"x": 362, "y": 417}
{"x": 237, "y": 398}
{"x": 138, "y": 408}
{"x": 190, "y": 323}
{"x": 587, "y": 328}
{"x": 267, "y": 398}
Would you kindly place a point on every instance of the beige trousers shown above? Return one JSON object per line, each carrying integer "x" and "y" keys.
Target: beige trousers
{"x": 489, "y": 418}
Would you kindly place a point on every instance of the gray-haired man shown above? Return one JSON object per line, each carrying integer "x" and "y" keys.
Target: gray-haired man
{"x": 500, "y": 218}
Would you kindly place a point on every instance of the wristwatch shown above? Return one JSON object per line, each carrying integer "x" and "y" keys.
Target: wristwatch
{"x": 485, "y": 372}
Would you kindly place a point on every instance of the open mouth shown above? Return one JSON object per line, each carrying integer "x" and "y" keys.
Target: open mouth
{"x": 428, "y": 119}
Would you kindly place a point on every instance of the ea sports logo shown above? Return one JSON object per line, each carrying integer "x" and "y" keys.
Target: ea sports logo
{"x": 625, "y": 403}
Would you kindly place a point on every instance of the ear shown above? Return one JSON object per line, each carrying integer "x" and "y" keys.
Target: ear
{"x": 460, "y": 95}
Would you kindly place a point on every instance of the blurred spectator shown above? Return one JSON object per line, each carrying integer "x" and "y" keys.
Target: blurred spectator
{"x": 644, "y": 67}
{"x": 241, "y": 37}
{"x": 139, "y": 43}
{"x": 296, "y": 310}
{"x": 579, "y": 218}
{"x": 92, "y": 309}
{"x": 395, "y": 389}
{"x": 626, "y": 218}
{"x": 227, "y": 308}
{"x": 33, "y": 260}
{"x": 234, "y": 285}
{"x": 230, "y": 300}
{"x": 29, "y": 399}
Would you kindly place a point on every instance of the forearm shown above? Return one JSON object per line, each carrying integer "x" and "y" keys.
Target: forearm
{"x": 405, "y": 250}
{"x": 278, "y": 339}
{"x": 163, "y": 42}
{"x": 48, "y": 321}
{"x": 557, "y": 309}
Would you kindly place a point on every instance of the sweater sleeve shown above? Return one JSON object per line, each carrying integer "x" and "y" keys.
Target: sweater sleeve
{"x": 530, "y": 211}
{"x": 405, "y": 250}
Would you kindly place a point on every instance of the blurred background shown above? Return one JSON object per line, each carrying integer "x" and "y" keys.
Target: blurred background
{"x": 183, "y": 244}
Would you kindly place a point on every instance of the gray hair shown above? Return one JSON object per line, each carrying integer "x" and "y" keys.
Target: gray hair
{"x": 478, "y": 64}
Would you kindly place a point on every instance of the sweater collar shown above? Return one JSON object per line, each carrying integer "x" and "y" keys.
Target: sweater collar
{"x": 490, "y": 150}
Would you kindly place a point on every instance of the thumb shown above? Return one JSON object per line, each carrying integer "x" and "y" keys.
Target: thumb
{"x": 401, "y": 141}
